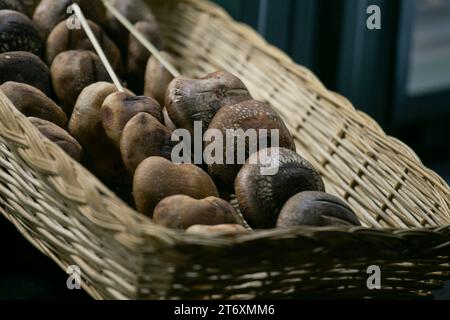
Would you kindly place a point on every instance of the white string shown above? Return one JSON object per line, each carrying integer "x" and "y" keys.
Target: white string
{"x": 145, "y": 42}
{"x": 87, "y": 29}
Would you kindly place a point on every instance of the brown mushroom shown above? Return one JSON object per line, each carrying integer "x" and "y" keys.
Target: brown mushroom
{"x": 157, "y": 78}
{"x": 59, "y": 136}
{"x": 189, "y": 100}
{"x": 34, "y": 103}
{"x": 144, "y": 136}
{"x": 102, "y": 157}
{"x": 25, "y": 67}
{"x": 50, "y": 12}
{"x": 119, "y": 107}
{"x": 236, "y": 123}
{"x": 63, "y": 39}
{"x": 318, "y": 209}
{"x": 181, "y": 212}
{"x": 138, "y": 55}
{"x": 157, "y": 178}
{"x": 74, "y": 70}
{"x": 128, "y": 9}
{"x": 18, "y": 33}
{"x": 268, "y": 179}
{"x": 217, "y": 230}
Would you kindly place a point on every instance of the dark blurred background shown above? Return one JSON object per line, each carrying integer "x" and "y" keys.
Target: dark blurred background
{"x": 400, "y": 75}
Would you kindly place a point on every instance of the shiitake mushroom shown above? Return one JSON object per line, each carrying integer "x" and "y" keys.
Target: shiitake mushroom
{"x": 128, "y": 8}
{"x": 181, "y": 212}
{"x": 189, "y": 100}
{"x": 138, "y": 55}
{"x": 15, "y": 5}
{"x": 312, "y": 208}
{"x": 220, "y": 229}
{"x": 34, "y": 103}
{"x": 261, "y": 194}
{"x": 63, "y": 39}
{"x": 144, "y": 136}
{"x": 102, "y": 157}
{"x": 25, "y": 67}
{"x": 157, "y": 78}
{"x": 245, "y": 116}
{"x": 59, "y": 136}
{"x": 157, "y": 178}
{"x": 50, "y": 12}
{"x": 119, "y": 107}
{"x": 74, "y": 70}
{"x": 18, "y": 33}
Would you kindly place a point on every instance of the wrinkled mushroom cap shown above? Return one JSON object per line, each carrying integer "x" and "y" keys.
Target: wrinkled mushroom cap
{"x": 261, "y": 193}
{"x": 316, "y": 209}
{"x": 181, "y": 212}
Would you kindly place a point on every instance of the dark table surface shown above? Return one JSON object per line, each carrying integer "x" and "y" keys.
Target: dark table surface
{"x": 25, "y": 273}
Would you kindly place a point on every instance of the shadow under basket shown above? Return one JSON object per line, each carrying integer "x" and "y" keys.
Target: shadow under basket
{"x": 70, "y": 216}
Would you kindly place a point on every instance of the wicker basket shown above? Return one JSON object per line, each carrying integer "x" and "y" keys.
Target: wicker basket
{"x": 405, "y": 208}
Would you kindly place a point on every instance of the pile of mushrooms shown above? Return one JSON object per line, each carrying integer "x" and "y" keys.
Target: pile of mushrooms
{"x": 124, "y": 133}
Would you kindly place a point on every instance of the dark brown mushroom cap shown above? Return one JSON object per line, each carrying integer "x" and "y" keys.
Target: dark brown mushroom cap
{"x": 34, "y": 103}
{"x": 128, "y": 9}
{"x": 181, "y": 212}
{"x": 51, "y": 12}
{"x": 102, "y": 157}
{"x": 63, "y": 39}
{"x": 74, "y": 70}
{"x": 316, "y": 209}
{"x": 246, "y": 115}
{"x": 189, "y": 100}
{"x": 144, "y": 136}
{"x": 261, "y": 195}
{"x": 217, "y": 230}
{"x": 157, "y": 78}
{"x": 138, "y": 55}
{"x": 59, "y": 136}
{"x": 157, "y": 178}
{"x": 15, "y": 5}
{"x": 25, "y": 67}
{"x": 119, "y": 107}
{"x": 18, "y": 33}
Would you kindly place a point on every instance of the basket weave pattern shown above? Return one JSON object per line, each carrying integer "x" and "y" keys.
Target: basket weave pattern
{"x": 75, "y": 220}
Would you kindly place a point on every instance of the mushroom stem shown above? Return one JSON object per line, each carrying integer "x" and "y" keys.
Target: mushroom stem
{"x": 87, "y": 29}
{"x": 138, "y": 35}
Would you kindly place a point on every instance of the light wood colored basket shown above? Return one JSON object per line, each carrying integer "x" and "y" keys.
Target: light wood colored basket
{"x": 75, "y": 220}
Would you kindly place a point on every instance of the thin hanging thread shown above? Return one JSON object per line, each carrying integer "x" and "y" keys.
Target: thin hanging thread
{"x": 87, "y": 29}
{"x": 138, "y": 35}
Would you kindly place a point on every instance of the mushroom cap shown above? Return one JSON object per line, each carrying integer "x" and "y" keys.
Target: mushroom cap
{"x": 138, "y": 55}
{"x": 217, "y": 230}
{"x": 15, "y": 5}
{"x": 189, "y": 100}
{"x": 63, "y": 39}
{"x": 25, "y": 67}
{"x": 34, "y": 103}
{"x": 144, "y": 136}
{"x": 59, "y": 136}
{"x": 102, "y": 157}
{"x": 181, "y": 212}
{"x": 261, "y": 194}
{"x": 119, "y": 107}
{"x": 157, "y": 178}
{"x": 18, "y": 33}
{"x": 157, "y": 78}
{"x": 245, "y": 116}
{"x": 74, "y": 70}
{"x": 49, "y": 13}
{"x": 312, "y": 208}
